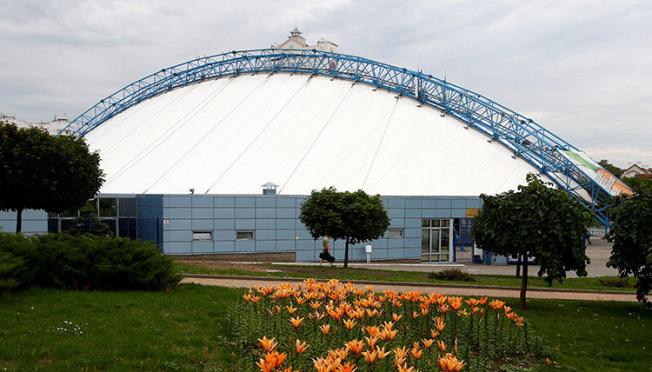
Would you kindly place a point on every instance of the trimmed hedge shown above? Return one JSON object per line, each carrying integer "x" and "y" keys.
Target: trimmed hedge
{"x": 83, "y": 262}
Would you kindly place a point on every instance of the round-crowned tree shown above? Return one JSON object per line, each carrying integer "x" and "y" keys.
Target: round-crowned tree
{"x": 535, "y": 221}
{"x": 631, "y": 234}
{"x": 355, "y": 217}
{"x": 41, "y": 171}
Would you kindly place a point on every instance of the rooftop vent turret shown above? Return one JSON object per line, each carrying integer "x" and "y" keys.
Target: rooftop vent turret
{"x": 269, "y": 188}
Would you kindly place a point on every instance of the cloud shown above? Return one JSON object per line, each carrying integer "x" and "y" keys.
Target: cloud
{"x": 579, "y": 68}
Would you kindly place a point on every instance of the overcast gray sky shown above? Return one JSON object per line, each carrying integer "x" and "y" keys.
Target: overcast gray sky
{"x": 583, "y": 69}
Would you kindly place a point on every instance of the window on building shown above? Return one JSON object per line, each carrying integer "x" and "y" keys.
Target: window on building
{"x": 108, "y": 207}
{"x": 394, "y": 233}
{"x": 202, "y": 235}
{"x": 244, "y": 235}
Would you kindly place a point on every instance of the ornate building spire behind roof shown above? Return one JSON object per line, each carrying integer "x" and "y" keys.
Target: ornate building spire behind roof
{"x": 297, "y": 41}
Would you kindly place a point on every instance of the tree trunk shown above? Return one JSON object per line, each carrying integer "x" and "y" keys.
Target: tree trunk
{"x": 346, "y": 253}
{"x": 524, "y": 281}
{"x": 518, "y": 265}
{"x": 19, "y": 220}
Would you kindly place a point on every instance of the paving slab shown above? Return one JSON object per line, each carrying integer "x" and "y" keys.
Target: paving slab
{"x": 460, "y": 291}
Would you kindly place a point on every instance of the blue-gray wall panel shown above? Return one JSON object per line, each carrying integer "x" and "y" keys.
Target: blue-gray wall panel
{"x": 202, "y": 201}
{"x": 245, "y": 224}
{"x": 224, "y": 202}
{"x": 274, "y": 220}
{"x": 202, "y": 247}
{"x": 245, "y": 202}
{"x": 224, "y": 224}
{"x": 245, "y": 213}
{"x": 202, "y": 213}
{"x": 202, "y": 225}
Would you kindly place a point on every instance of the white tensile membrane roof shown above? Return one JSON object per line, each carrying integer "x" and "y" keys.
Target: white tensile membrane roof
{"x": 234, "y": 134}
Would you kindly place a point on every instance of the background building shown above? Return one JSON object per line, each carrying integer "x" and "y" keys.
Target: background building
{"x": 56, "y": 125}
{"x": 636, "y": 171}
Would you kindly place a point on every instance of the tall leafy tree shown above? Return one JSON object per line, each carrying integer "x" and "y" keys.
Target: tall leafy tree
{"x": 631, "y": 234}
{"x": 535, "y": 221}
{"x": 40, "y": 171}
{"x": 640, "y": 185}
{"x": 353, "y": 216}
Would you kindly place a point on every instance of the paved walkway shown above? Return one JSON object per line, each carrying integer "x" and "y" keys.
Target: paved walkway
{"x": 461, "y": 291}
{"x": 599, "y": 254}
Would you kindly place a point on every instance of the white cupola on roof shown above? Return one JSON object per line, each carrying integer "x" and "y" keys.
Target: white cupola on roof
{"x": 296, "y": 41}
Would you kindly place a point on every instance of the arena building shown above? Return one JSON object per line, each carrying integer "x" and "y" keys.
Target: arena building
{"x": 215, "y": 155}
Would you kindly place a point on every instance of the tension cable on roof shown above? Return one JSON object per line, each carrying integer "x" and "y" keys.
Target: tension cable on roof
{"x": 312, "y": 144}
{"x": 219, "y": 178}
{"x": 235, "y": 107}
{"x": 382, "y": 137}
{"x": 169, "y": 132}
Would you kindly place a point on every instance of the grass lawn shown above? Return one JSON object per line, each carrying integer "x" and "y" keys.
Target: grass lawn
{"x": 185, "y": 329}
{"x": 121, "y": 330}
{"x": 326, "y": 272}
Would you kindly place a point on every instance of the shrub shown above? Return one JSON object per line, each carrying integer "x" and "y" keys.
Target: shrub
{"x": 616, "y": 282}
{"x": 9, "y": 265}
{"x": 89, "y": 262}
{"x": 452, "y": 274}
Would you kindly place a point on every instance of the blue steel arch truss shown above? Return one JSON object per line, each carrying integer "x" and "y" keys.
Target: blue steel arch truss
{"x": 527, "y": 139}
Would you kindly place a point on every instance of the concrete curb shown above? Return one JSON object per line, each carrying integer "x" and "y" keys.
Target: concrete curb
{"x": 412, "y": 284}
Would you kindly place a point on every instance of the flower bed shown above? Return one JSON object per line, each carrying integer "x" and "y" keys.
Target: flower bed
{"x": 331, "y": 326}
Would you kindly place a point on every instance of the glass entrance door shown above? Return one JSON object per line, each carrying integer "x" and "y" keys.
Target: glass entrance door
{"x": 435, "y": 240}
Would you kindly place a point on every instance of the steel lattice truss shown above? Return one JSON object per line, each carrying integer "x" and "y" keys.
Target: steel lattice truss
{"x": 527, "y": 139}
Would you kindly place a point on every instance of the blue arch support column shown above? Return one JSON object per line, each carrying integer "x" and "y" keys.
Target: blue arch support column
{"x": 523, "y": 136}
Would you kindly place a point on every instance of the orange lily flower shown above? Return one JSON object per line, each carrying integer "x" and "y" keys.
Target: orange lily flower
{"x": 355, "y": 346}
{"x": 440, "y": 324}
{"x": 325, "y": 364}
{"x": 416, "y": 352}
{"x": 373, "y": 331}
{"x": 400, "y": 352}
{"x": 267, "y": 344}
{"x": 370, "y": 356}
{"x": 405, "y": 368}
{"x": 496, "y": 304}
{"x": 296, "y": 322}
{"x": 396, "y": 317}
{"x": 388, "y": 334}
{"x": 427, "y": 342}
{"x": 449, "y": 363}
{"x": 381, "y": 353}
{"x": 291, "y": 309}
{"x": 300, "y": 347}
{"x": 340, "y": 353}
{"x": 349, "y": 324}
{"x": 441, "y": 346}
{"x": 325, "y": 328}
{"x": 371, "y": 341}
{"x": 272, "y": 361}
{"x": 348, "y": 367}
{"x": 455, "y": 302}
